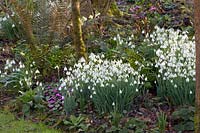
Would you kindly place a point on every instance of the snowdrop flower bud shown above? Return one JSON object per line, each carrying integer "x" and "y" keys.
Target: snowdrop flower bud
{"x": 26, "y": 72}
{"x": 37, "y": 71}
{"x": 113, "y": 104}
{"x": 175, "y": 86}
{"x": 40, "y": 84}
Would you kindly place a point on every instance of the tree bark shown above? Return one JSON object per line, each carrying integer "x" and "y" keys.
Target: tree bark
{"x": 77, "y": 30}
{"x": 197, "y": 41}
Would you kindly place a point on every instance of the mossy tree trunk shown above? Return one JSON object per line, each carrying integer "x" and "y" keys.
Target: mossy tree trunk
{"x": 77, "y": 30}
{"x": 197, "y": 41}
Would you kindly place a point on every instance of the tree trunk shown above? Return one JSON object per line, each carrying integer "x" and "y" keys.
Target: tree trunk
{"x": 76, "y": 21}
{"x": 197, "y": 41}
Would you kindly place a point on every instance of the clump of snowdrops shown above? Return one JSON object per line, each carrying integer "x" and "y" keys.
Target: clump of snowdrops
{"x": 19, "y": 76}
{"x": 175, "y": 60}
{"x": 110, "y": 85}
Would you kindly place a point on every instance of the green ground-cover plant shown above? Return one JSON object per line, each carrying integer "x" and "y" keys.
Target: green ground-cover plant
{"x": 146, "y": 15}
{"x": 162, "y": 122}
{"x": 76, "y": 124}
{"x": 48, "y": 59}
{"x": 31, "y": 100}
{"x": 183, "y": 118}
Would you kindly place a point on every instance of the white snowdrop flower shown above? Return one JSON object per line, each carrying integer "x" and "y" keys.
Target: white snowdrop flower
{"x": 132, "y": 36}
{"x": 190, "y": 92}
{"x": 81, "y": 90}
{"x": 112, "y": 85}
{"x": 82, "y": 60}
{"x": 187, "y": 80}
{"x": 13, "y": 25}
{"x": 65, "y": 68}
{"x": 59, "y": 88}
{"x": 143, "y": 31}
{"x": 25, "y": 79}
{"x": 56, "y": 67}
{"x": 94, "y": 93}
{"x": 4, "y": 19}
{"x": 91, "y": 96}
{"x": 37, "y": 71}
{"x": 120, "y": 91}
{"x": 13, "y": 62}
{"x": 5, "y": 73}
{"x": 175, "y": 86}
{"x": 26, "y": 72}
{"x": 6, "y": 68}
{"x": 40, "y": 84}
{"x": 102, "y": 85}
{"x": 113, "y": 104}
{"x": 20, "y": 82}
{"x": 136, "y": 90}
{"x": 37, "y": 83}
{"x": 68, "y": 73}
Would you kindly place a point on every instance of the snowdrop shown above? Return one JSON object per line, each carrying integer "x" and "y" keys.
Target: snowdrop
{"x": 175, "y": 55}
{"x": 18, "y": 74}
{"x": 175, "y": 61}
{"x": 116, "y": 77}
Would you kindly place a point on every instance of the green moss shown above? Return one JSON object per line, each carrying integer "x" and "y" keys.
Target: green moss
{"x": 8, "y": 124}
{"x": 114, "y": 10}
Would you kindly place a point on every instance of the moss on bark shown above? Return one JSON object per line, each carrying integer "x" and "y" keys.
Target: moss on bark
{"x": 107, "y": 7}
{"x": 77, "y": 30}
